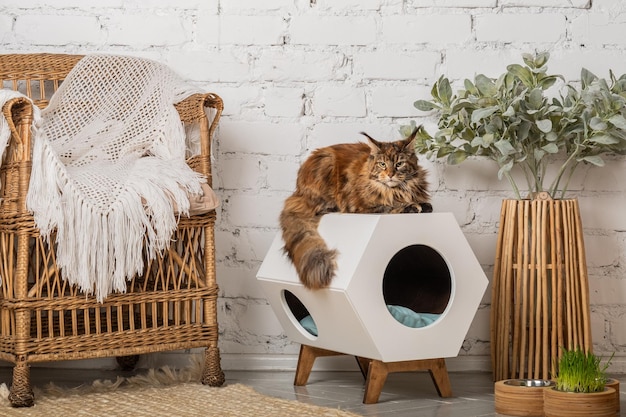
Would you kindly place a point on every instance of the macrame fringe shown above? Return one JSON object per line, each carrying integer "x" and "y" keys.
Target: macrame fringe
{"x": 103, "y": 234}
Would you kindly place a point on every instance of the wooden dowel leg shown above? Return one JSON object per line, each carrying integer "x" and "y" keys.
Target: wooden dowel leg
{"x": 376, "y": 377}
{"x": 378, "y": 371}
{"x": 306, "y": 359}
{"x": 439, "y": 374}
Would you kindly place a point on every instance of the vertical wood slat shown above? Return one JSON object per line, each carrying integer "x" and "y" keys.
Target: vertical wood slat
{"x": 584, "y": 282}
{"x": 532, "y": 293}
{"x": 495, "y": 287}
{"x": 517, "y": 329}
{"x": 540, "y": 292}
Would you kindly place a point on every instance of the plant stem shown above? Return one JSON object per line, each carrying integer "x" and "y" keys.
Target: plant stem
{"x": 513, "y": 185}
{"x": 555, "y": 184}
{"x": 528, "y": 176}
{"x": 569, "y": 177}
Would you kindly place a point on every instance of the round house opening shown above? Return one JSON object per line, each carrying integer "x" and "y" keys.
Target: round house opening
{"x": 417, "y": 285}
{"x": 300, "y": 313}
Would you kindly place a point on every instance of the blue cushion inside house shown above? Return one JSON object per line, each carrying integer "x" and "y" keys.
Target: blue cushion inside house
{"x": 402, "y": 314}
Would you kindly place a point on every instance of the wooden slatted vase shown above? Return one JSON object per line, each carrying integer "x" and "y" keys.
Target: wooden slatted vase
{"x": 540, "y": 292}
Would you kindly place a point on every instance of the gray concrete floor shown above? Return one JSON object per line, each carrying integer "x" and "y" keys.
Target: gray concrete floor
{"x": 404, "y": 394}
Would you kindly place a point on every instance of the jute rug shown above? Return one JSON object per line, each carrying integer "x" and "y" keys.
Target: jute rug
{"x": 162, "y": 392}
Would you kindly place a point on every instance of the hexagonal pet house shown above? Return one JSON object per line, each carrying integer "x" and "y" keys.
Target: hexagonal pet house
{"x": 406, "y": 288}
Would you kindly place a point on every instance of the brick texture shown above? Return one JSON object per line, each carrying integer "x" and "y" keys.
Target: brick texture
{"x": 299, "y": 74}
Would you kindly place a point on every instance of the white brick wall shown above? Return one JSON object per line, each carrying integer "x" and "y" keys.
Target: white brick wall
{"x": 299, "y": 74}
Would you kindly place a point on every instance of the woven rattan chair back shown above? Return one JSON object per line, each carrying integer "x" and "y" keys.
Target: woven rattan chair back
{"x": 38, "y": 76}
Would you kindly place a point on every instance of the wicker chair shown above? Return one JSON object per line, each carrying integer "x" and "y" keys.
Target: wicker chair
{"x": 171, "y": 306}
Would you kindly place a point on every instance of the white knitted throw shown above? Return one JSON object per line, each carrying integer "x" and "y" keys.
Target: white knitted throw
{"x": 108, "y": 164}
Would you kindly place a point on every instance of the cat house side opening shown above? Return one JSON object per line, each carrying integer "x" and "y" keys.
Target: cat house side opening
{"x": 417, "y": 285}
{"x": 300, "y": 315}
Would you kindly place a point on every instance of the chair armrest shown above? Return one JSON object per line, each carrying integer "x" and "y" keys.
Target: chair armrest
{"x": 18, "y": 113}
{"x": 16, "y": 163}
{"x": 193, "y": 110}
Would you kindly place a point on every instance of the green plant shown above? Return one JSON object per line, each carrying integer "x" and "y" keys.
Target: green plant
{"x": 518, "y": 119}
{"x": 580, "y": 371}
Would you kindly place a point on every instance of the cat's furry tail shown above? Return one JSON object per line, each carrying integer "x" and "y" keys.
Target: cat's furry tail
{"x": 314, "y": 262}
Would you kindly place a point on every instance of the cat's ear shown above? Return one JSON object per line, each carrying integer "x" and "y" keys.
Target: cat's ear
{"x": 409, "y": 143}
{"x": 373, "y": 143}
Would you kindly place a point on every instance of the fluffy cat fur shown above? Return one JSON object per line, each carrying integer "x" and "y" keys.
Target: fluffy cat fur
{"x": 372, "y": 177}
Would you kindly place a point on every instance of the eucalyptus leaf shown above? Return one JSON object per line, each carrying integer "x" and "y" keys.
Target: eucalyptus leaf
{"x": 510, "y": 111}
{"x": 523, "y": 73}
{"x": 604, "y": 139}
{"x": 479, "y": 114}
{"x": 504, "y": 147}
{"x": 445, "y": 91}
{"x": 485, "y": 85}
{"x": 406, "y": 130}
{"x": 425, "y": 105}
{"x": 456, "y": 157}
{"x": 433, "y": 91}
{"x": 505, "y": 168}
{"x": 529, "y": 59}
{"x": 551, "y": 148}
{"x": 618, "y": 121}
{"x": 596, "y": 123}
{"x": 547, "y": 82}
{"x": 523, "y": 131}
{"x": 470, "y": 87}
{"x": 595, "y": 160}
{"x": 587, "y": 77}
{"x": 542, "y": 58}
{"x": 544, "y": 125}
{"x": 477, "y": 141}
{"x": 444, "y": 151}
{"x": 535, "y": 98}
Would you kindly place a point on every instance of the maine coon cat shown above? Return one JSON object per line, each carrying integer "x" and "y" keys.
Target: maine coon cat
{"x": 371, "y": 177}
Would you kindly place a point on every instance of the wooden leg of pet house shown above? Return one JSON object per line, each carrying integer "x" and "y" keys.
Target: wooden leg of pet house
{"x": 376, "y": 371}
{"x": 307, "y": 357}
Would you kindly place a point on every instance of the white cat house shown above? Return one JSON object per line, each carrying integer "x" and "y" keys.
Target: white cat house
{"x": 406, "y": 288}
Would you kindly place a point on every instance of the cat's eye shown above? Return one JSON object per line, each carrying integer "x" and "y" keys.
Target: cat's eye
{"x": 400, "y": 164}
{"x": 382, "y": 165}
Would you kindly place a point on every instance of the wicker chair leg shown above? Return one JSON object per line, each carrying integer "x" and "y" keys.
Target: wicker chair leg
{"x": 21, "y": 393}
{"x": 212, "y": 373}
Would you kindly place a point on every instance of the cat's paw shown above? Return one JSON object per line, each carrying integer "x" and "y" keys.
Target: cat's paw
{"x": 418, "y": 208}
{"x": 413, "y": 208}
{"x": 426, "y": 208}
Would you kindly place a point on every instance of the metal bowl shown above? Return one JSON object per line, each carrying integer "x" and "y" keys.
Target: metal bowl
{"x": 541, "y": 383}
